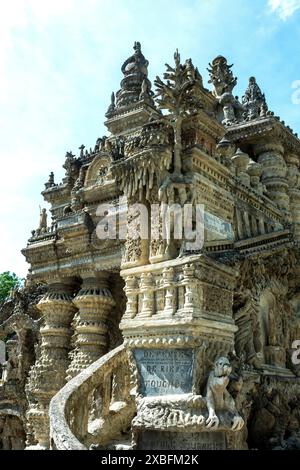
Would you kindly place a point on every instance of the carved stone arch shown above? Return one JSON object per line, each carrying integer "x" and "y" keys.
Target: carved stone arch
{"x": 98, "y": 169}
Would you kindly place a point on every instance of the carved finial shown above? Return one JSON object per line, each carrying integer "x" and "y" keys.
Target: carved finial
{"x": 221, "y": 76}
{"x": 135, "y": 70}
{"x": 69, "y": 155}
{"x": 50, "y": 181}
{"x": 43, "y": 219}
{"x": 254, "y": 101}
{"x": 137, "y": 46}
{"x": 112, "y": 105}
{"x": 81, "y": 148}
{"x": 177, "y": 58}
{"x": 223, "y": 81}
{"x": 146, "y": 94}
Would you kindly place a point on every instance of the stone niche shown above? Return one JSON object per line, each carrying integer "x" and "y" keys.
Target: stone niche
{"x": 272, "y": 337}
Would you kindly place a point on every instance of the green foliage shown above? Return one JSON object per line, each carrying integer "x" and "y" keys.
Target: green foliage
{"x": 8, "y": 281}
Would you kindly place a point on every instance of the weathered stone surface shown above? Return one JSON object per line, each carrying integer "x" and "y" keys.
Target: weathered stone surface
{"x": 208, "y": 328}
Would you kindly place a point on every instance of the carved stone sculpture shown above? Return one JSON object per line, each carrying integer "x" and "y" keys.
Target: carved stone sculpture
{"x": 218, "y": 397}
{"x": 254, "y": 101}
{"x": 43, "y": 219}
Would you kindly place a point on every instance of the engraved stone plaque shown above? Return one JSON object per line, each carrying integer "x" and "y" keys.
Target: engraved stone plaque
{"x": 164, "y": 440}
{"x": 216, "y": 228}
{"x": 2, "y": 352}
{"x": 165, "y": 371}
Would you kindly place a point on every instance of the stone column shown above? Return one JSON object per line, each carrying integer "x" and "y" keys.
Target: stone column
{"x": 48, "y": 374}
{"x": 254, "y": 171}
{"x": 146, "y": 289}
{"x": 274, "y": 173}
{"x": 131, "y": 292}
{"x": 293, "y": 176}
{"x": 94, "y": 301}
{"x": 170, "y": 298}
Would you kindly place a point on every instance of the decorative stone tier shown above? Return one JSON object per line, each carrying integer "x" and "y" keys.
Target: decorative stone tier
{"x": 177, "y": 323}
{"x": 274, "y": 173}
{"x": 94, "y": 301}
{"x": 48, "y": 374}
{"x": 181, "y": 291}
{"x": 181, "y": 420}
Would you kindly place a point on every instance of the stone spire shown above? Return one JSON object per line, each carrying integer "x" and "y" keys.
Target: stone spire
{"x": 221, "y": 76}
{"x": 254, "y": 101}
{"x": 135, "y": 81}
{"x": 223, "y": 81}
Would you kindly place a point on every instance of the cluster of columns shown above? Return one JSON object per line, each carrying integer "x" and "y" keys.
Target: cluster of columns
{"x": 53, "y": 367}
{"x": 281, "y": 177}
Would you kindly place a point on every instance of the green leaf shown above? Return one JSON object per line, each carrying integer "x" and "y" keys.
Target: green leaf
{"x": 8, "y": 281}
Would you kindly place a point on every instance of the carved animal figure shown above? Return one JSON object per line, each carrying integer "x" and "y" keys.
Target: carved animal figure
{"x": 218, "y": 397}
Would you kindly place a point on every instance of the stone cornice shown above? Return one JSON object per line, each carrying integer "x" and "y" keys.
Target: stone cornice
{"x": 57, "y": 192}
{"x": 268, "y": 241}
{"x": 254, "y": 131}
{"x": 77, "y": 265}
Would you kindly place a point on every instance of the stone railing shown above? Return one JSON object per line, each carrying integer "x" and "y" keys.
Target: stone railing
{"x": 95, "y": 408}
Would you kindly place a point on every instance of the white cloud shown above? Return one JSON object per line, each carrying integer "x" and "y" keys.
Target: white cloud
{"x": 284, "y": 8}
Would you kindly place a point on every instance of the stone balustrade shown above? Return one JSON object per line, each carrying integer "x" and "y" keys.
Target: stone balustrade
{"x": 95, "y": 407}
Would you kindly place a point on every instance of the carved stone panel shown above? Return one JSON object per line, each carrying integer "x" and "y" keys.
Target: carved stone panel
{"x": 163, "y": 440}
{"x": 165, "y": 372}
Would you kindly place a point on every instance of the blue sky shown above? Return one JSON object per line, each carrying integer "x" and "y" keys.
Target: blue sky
{"x": 60, "y": 60}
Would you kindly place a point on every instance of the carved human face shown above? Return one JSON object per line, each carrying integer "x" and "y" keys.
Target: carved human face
{"x": 222, "y": 367}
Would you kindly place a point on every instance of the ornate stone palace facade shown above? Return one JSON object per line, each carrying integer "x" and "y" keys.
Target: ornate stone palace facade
{"x": 146, "y": 342}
